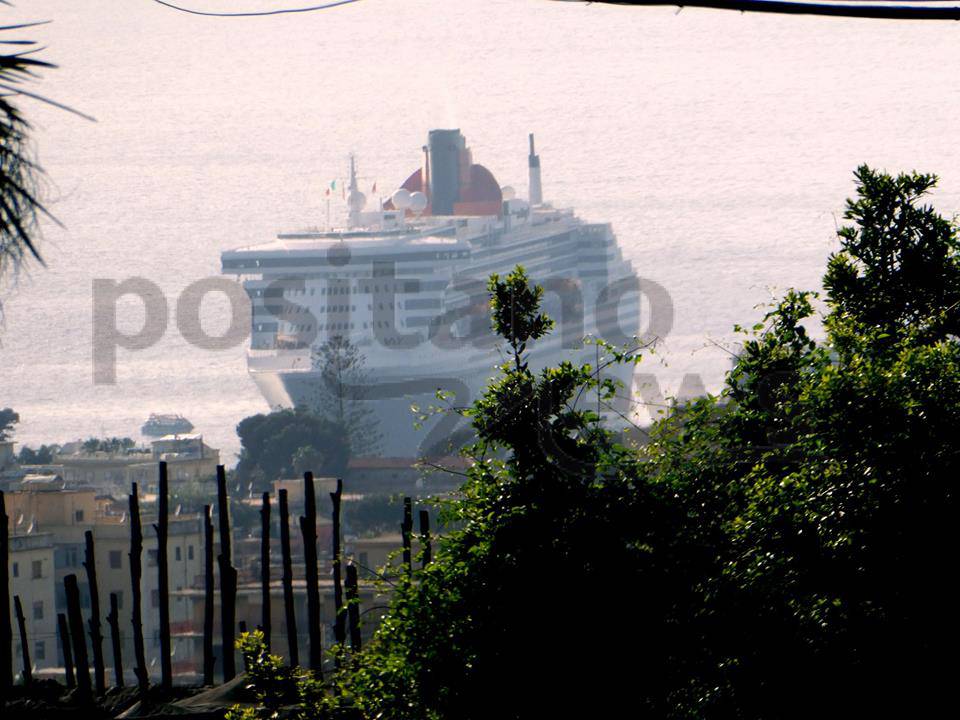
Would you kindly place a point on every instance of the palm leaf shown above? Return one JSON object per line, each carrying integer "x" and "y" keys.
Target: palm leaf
{"x": 19, "y": 203}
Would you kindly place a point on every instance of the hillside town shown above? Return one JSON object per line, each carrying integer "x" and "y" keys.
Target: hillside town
{"x": 51, "y": 507}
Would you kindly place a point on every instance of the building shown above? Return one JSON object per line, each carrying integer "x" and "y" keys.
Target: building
{"x": 188, "y": 458}
{"x": 47, "y": 508}
{"x": 31, "y": 579}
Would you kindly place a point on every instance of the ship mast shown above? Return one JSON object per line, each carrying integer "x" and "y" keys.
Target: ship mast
{"x": 355, "y": 199}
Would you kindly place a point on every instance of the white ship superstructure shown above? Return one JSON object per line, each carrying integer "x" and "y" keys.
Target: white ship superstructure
{"x": 406, "y": 284}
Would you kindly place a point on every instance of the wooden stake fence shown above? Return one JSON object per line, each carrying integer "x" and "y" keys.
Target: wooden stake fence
{"x": 265, "y": 569}
{"x": 308, "y": 528}
{"x": 339, "y": 620}
{"x": 228, "y": 580}
{"x": 64, "y": 633}
{"x": 113, "y": 620}
{"x": 136, "y": 612}
{"x": 426, "y": 547}
{"x": 24, "y": 644}
{"x": 163, "y": 580}
{"x": 208, "y": 658}
{"x": 72, "y": 591}
{"x": 96, "y": 634}
{"x": 289, "y": 613}
{"x": 406, "y": 533}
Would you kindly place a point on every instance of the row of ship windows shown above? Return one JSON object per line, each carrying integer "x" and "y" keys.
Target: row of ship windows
{"x": 342, "y": 290}
{"x": 411, "y": 322}
{"x": 414, "y": 304}
{"x": 337, "y": 308}
{"x": 274, "y": 262}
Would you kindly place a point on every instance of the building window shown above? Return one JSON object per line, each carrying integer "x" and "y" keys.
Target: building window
{"x": 38, "y": 610}
{"x": 40, "y": 650}
{"x": 152, "y": 558}
{"x": 16, "y": 569}
{"x": 189, "y": 552}
{"x": 116, "y": 560}
{"x": 78, "y": 515}
{"x": 36, "y": 569}
{"x": 177, "y": 555}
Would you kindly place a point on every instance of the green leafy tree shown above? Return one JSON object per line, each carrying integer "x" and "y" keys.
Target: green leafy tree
{"x": 41, "y": 456}
{"x": 781, "y": 550}
{"x": 341, "y": 393}
{"x": 271, "y": 443}
{"x": 8, "y": 419}
{"x": 113, "y": 445}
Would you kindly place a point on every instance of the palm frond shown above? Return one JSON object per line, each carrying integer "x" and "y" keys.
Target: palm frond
{"x": 19, "y": 202}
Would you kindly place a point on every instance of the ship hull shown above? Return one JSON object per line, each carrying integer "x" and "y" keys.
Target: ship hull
{"x": 410, "y": 419}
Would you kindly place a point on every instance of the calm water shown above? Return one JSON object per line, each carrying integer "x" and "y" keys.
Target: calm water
{"x": 720, "y": 146}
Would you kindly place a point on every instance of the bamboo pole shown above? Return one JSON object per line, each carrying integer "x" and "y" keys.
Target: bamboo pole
{"x": 427, "y": 550}
{"x": 208, "y": 658}
{"x": 64, "y": 633}
{"x": 353, "y": 607}
{"x": 136, "y": 612}
{"x": 6, "y": 627}
{"x": 406, "y": 533}
{"x": 339, "y": 621}
{"x": 308, "y": 528}
{"x": 96, "y": 633}
{"x": 265, "y": 624}
{"x": 72, "y": 591}
{"x": 288, "y": 607}
{"x": 24, "y": 644}
{"x": 113, "y": 619}
{"x": 163, "y": 579}
{"x": 228, "y": 580}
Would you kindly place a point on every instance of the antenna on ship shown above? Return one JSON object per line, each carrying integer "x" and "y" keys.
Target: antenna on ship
{"x": 355, "y": 199}
{"x": 536, "y": 190}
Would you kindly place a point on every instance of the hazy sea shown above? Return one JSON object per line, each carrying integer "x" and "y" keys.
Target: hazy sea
{"x": 721, "y": 147}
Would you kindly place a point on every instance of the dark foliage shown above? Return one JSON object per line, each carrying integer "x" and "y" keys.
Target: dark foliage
{"x": 274, "y": 444}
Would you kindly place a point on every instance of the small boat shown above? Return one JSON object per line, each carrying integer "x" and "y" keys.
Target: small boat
{"x": 159, "y": 425}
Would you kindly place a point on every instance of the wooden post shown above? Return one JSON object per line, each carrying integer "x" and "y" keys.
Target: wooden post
{"x": 308, "y": 528}
{"x": 339, "y": 620}
{"x": 136, "y": 619}
{"x": 96, "y": 633}
{"x": 72, "y": 591}
{"x": 67, "y": 652}
{"x": 265, "y": 569}
{"x": 427, "y": 548}
{"x": 24, "y": 644}
{"x": 406, "y": 533}
{"x": 163, "y": 580}
{"x": 228, "y": 580}
{"x": 288, "y": 608}
{"x": 208, "y": 659}
{"x": 113, "y": 619}
{"x": 6, "y": 627}
{"x": 353, "y": 607}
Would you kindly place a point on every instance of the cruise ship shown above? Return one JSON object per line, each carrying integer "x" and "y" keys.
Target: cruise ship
{"x": 403, "y": 280}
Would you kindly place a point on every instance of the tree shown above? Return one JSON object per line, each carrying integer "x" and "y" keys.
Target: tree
{"x": 778, "y": 549}
{"x": 8, "y": 418}
{"x": 341, "y": 393}
{"x": 41, "y": 456}
{"x": 108, "y": 445}
{"x": 271, "y": 442}
{"x": 19, "y": 205}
